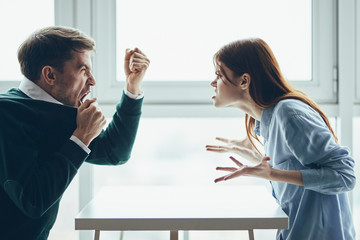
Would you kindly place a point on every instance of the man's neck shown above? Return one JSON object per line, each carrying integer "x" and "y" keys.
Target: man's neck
{"x": 35, "y": 91}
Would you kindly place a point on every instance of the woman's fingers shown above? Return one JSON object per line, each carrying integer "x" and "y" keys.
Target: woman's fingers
{"x": 220, "y": 179}
{"x": 235, "y": 174}
{"x": 224, "y": 140}
{"x": 235, "y": 171}
{"x": 214, "y": 148}
{"x": 228, "y": 169}
{"x": 236, "y": 162}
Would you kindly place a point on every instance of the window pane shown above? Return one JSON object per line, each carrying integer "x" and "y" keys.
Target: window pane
{"x": 68, "y": 209}
{"x": 356, "y": 191}
{"x": 18, "y": 19}
{"x": 180, "y": 37}
{"x": 171, "y": 151}
{"x": 166, "y": 148}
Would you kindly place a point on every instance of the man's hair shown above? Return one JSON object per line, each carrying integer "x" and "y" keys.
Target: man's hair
{"x": 51, "y": 46}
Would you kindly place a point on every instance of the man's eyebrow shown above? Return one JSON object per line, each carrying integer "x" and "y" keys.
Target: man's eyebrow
{"x": 81, "y": 65}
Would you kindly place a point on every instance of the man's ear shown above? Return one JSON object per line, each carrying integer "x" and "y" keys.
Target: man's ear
{"x": 245, "y": 80}
{"x": 49, "y": 75}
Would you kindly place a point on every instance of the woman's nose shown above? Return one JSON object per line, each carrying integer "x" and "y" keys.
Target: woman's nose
{"x": 213, "y": 83}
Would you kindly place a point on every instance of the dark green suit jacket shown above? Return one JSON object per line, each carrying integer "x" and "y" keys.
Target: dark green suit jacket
{"x": 38, "y": 160}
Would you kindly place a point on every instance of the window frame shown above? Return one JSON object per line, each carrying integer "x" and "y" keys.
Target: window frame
{"x": 322, "y": 88}
{"x": 98, "y": 19}
{"x": 357, "y": 47}
{"x": 6, "y": 85}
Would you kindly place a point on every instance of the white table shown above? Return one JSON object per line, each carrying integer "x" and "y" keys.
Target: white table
{"x": 176, "y": 208}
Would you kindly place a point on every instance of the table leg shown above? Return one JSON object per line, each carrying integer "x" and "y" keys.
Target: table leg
{"x": 97, "y": 235}
{"x": 251, "y": 234}
{"x": 174, "y": 235}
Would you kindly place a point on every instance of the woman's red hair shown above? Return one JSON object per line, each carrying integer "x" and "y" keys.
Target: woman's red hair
{"x": 267, "y": 86}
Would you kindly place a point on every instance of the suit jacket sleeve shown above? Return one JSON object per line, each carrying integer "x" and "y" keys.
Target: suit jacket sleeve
{"x": 114, "y": 145}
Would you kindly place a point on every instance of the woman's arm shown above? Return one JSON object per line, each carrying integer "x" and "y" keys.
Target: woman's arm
{"x": 327, "y": 166}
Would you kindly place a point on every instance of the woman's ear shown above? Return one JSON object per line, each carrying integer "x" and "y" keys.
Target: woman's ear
{"x": 245, "y": 80}
{"x": 48, "y": 74}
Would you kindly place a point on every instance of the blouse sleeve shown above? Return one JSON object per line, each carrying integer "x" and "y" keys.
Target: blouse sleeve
{"x": 328, "y": 168}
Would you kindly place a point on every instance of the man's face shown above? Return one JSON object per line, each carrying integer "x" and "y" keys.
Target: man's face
{"x": 73, "y": 84}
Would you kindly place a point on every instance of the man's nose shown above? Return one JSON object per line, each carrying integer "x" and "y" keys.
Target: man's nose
{"x": 91, "y": 80}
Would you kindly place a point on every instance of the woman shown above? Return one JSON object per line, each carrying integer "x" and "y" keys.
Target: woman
{"x": 309, "y": 171}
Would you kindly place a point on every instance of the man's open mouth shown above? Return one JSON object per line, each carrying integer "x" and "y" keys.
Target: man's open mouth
{"x": 82, "y": 99}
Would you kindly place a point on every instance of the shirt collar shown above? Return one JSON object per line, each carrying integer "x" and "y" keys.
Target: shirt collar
{"x": 262, "y": 127}
{"x": 35, "y": 92}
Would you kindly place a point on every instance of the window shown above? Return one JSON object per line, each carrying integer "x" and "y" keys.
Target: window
{"x": 171, "y": 151}
{"x": 181, "y": 38}
{"x": 356, "y": 192}
{"x": 357, "y": 68}
{"x": 17, "y": 23}
{"x": 68, "y": 209}
{"x": 167, "y": 148}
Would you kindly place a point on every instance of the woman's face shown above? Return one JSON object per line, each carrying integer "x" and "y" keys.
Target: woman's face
{"x": 227, "y": 87}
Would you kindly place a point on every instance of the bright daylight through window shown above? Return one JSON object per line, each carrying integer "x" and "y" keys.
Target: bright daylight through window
{"x": 180, "y": 37}
{"x": 24, "y": 20}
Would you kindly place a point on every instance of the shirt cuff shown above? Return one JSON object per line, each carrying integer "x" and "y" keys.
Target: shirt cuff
{"x": 133, "y": 96}
{"x": 80, "y": 143}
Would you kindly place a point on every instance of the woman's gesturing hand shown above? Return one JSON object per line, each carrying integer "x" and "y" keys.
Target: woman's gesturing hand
{"x": 262, "y": 170}
{"x": 243, "y": 148}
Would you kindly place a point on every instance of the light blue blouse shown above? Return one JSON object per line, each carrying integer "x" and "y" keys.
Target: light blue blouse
{"x": 297, "y": 138}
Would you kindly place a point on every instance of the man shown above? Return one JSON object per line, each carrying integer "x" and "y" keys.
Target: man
{"x": 47, "y": 129}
